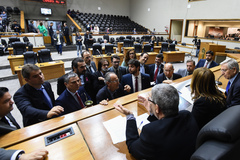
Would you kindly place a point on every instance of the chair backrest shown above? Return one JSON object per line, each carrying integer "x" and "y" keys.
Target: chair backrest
{"x": 147, "y": 48}
{"x": 172, "y": 47}
{"x": 13, "y": 39}
{"x": 100, "y": 40}
{"x": 121, "y": 38}
{"x": 147, "y": 38}
{"x": 184, "y": 44}
{"x": 30, "y": 46}
{"x": 30, "y": 57}
{"x": 90, "y": 43}
{"x": 44, "y": 55}
{"x": 138, "y": 48}
{"x": 220, "y": 138}
{"x": 126, "y": 43}
{"x": 164, "y": 47}
{"x": 106, "y": 37}
{"x": 25, "y": 39}
{"x": 97, "y": 49}
{"x": 19, "y": 48}
{"x": 129, "y": 37}
{"x": 112, "y": 40}
{"x": 108, "y": 48}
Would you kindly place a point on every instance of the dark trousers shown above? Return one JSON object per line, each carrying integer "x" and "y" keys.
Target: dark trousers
{"x": 67, "y": 39}
{"x": 59, "y": 48}
{"x": 52, "y": 40}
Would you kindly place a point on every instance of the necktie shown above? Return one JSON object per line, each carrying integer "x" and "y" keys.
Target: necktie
{"x": 228, "y": 86}
{"x": 79, "y": 100}
{"x": 156, "y": 73}
{"x": 206, "y": 64}
{"x": 117, "y": 72}
{"x": 136, "y": 84}
{"x": 5, "y": 120}
{"x": 90, "y": 70}
{"x": 45, "y": 98}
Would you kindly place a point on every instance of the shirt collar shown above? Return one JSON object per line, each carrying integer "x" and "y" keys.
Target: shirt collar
{"x": 232, "y": 79}
{"x": 73, "y": 94}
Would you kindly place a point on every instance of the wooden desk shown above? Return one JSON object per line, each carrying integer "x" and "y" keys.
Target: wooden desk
{"x": 35, "y": 49}
{"x": 103, "y": 50}
{"x": 51, "y": 70}
{"x": 72, "y": 147}
{"x": 120, "y": 45}
{"x": 173, "y": 56}
{"x": 157, "y": 49}
{"x": 97, "y": 58}
{"x": 15, "y": 60}
{"x": 151, "y": 59}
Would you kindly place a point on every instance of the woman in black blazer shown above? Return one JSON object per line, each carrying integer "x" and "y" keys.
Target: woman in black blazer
{"x": 208, "y": 100}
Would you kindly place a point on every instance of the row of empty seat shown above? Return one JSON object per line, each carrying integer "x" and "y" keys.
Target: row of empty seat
{"x": 32, "y": 57}
{"x": 10, "y": 10}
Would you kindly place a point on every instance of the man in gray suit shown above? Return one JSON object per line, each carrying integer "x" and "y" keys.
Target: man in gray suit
{"x": 90, "y": 65}
{"x": 189, "y": 70}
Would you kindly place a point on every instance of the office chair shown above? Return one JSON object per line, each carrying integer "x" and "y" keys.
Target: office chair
{"x": 126, "y": 43}
{"x": 16, "y": 10}
{"x": 236, "y": 38}
{"x": 172, "y": 47}
{"x": 121, "y": 38}
{"x": 29, "y": 45}
{"x": 90, "y": 43}
{"x": 106, "y": 36}
{"x": 129, "y": 37}
{"x": 184, "y": 44}
{"x": 100, "y": 40}
{"x": 138, "y": 40}
{"x": 44, "y": 55}
{"x": 109, "y": 48}
{"x": 164, "y": 47}
{"x": 220, "y": 138}
{"x": 9, "y": 9}
{"x": 13, "y": 39}
{"x": 138, "y": 48}
{"x": 97, "y": 49}
{"x": 147, "y": 48}
{"x": 30, "y": 57}
{"x": 147, "y": 38}
{"x": 112, "y": 40}
{"x": 19, "y": 48}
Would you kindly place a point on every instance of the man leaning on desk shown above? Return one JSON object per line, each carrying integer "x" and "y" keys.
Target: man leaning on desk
{"x": 170, "y": 135}
{"x": 35, "y": 99}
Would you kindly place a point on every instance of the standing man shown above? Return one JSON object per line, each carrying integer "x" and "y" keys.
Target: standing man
{"x": 91, "y": 66}
{"x": 118, "y": 70}
{"x": 208, "y": 62}
{"x": 50, "y": 31}
{"x": 230, "y": 70}
{"x": 35, "y": 99}
{"x": 157, "y": 68}
{"x": 79, "y": 43}
{"x": 189, "y": 70}
{"x": 31, "y": 27}
{"x": 87, "y": 39}
{"x": 143, "y": 60}
{"x": 167, "y": 76}
{"x": 16, "y": 27}
{"x": 58, "y": 41}
{"x": 135, "y": 79}
{"x": 98, "y": 77}
{"x": 66, "y": 33}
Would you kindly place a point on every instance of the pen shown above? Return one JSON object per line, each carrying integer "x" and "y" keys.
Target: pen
{"x": 140, "y": 124}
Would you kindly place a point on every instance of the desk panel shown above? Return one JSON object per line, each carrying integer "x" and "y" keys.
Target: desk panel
{"x": 15, "y": 60}
{"x": 120, "y": 45}
{"x": 173, "y": 56}
{"x": 35, "y": 49}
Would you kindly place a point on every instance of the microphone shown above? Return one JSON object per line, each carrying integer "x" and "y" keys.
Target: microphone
{"x": 217, "y": 81}
{"x": 99, "y": 53}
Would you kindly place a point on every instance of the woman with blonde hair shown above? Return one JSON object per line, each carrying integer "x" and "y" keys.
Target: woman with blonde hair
{"x": 129, "y": 55}
{"x": 208, "y": 100}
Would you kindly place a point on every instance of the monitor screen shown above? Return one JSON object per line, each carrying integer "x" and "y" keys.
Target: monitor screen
{"x": 46, "y": 11}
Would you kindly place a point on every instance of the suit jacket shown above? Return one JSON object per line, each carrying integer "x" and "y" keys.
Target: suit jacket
{"x": 183, "y": 72}
{"x": 146, "y": 68}
{"x": 161, "y": 77}
{"x": 233, "y": 96}
{"x": 152, "y": 69}
{"x": 5, "y": 128}
{"x": 7, "y": 154}
{"x": 66, "y": 31}
{"x": 127, "y": 79}
{"x": 93, "y": 65}
{"x": 98, "y": 84}
{"x": 86, "y": 37}
{"x": 31, "y": 28}
{"x": 3, "y": 42}
{"x": 68, "y": 102}
{"x": 202, "y": 62}
{"x": 169, "y": 138}
{"x": 104, "y": 93}
{"x": 205, "y": 110}
{"x": 121, "y": 71}
{"x": 31, "y": 103}
{"x": 50, "y": 31}
{"x": 61, "y": 39}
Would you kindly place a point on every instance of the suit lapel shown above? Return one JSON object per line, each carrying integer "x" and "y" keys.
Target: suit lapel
{"x": 9, "y": 115}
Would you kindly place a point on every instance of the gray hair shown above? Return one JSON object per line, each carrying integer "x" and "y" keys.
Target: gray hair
{"x": 231, "y": 63}
{"x": 68, "y": 76}
{"x": 167, "y": 98}
{"x": 27, "y": 69}
{"x": 108, "y": 77}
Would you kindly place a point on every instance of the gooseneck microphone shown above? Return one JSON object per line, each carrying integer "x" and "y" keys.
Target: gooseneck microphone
{"x": 217, "y": 81}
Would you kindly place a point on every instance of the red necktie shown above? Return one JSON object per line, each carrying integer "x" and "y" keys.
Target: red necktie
{"x": 136, "y": 84}
{"x": 206, "y": 64}
{"x": 156, "y": 73}
{"x": 79, "y": 100}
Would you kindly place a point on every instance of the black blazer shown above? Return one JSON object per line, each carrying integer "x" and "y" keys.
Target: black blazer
{"x": 161, "y": 77}
{"x": 170, "y": 138}
{"x": 5, "y": 128}
{"x": 122, "y": 71}
{"x": 152, "y": 69}
{"x": 61, "y": 39}
{"x": 98, "y": 84}
{"x": 31, "y": 103}
{"x": 233, "y": 96}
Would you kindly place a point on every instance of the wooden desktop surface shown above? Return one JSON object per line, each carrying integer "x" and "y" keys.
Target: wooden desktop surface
{"x": 35, "y": 49}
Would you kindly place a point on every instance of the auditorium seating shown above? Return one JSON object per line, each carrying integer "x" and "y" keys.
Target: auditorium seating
{"x": 44, "y": 55}
{"x": 97, "y": 49}
{"x": 30, "y": 57}
{"x": 138, "y": 48}
{"x": 19, "y": 48}
{"x": 108, "y": 48}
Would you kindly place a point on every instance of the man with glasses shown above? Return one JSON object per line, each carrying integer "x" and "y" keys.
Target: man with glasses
{"x": 230, "y": 70}
{"x": 91, "y": 66}
{"x": 167, "y": 76}
{"x": 171, "y": 134}
{"x": 120, "y": 71}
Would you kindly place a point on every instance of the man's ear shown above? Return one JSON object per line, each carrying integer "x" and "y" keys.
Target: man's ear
{"x": 65, "y": 83}
{"x": 157, "y": 109}
{"x": 26, "y": 79}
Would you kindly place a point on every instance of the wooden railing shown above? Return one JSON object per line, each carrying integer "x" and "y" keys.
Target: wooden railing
{"x": 22, "y": 21}
{"x": 73, "y": 21}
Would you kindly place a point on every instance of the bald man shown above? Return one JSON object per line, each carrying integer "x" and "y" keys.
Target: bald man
{"x": 167, "y": 76}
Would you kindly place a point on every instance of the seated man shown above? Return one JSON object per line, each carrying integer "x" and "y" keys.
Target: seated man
{"x": 135, "y": 79}
{"x": 35, "y": 99}
{"x": 171, "y": 134}
{"x": 73, "y": 98}
{"x": 167, "y": 76}
{"x": 90, "y": 65}
{"x": 113, "y": 89}
{"x": 143, "y": 60}
{"x": 189, "y": 70}
{"x": 157, "y": 68}
{"x": 7, "y": 122}
{"x": 208, "y": 62}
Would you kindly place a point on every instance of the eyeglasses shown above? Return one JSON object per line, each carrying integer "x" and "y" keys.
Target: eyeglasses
{"x": 167, "y": 70}
{"x": 82, "y": 67}
{"x": 225, "y": 70}
{"x": 151, "y": 100}
{"x": 116, "y": 81}
{"x": 116, "y": 61}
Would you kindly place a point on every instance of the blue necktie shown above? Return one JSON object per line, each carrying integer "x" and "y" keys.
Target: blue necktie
{"x": 228, "y": 86}
{"x": 46, "y": 99}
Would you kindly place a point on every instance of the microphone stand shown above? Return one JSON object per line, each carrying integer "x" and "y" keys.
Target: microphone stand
{"x": 217, "y": 81}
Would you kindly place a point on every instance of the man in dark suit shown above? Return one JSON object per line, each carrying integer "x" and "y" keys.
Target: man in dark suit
{"x": 58, "y": 41}
{"x": 135, "y": 79}
{"x": 50, "y": 31}
{"x": 91, "y": 66}
{"x": 167, "y": 76}
{"x": 157, "y": 68}
{"x": 189, "y": 70}
{"x": 118, "y": 70}
{"x": 171, "y": 134}
{"x": 208, "y": 62}
{"x": 87, "y": 38}
{"x": 230, "y": 70}
{"x": 66, "y": 33}
{"x": 72, "y": 98}
{"x": 113, "y": 89}
{"x": 35, "y": 99}
{"x": 16, "y": 27}
{"x": 7, "y": 122}
{"x": 3, "y": 46}
{"x": 143, "y": 59}
{"x": 31, "y": 27}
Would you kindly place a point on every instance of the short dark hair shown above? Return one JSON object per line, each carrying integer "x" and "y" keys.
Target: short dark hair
{"x": 28, "y": 68}
{"x": 190, "y": 60}
{"x": 100, "y": 63}
{"x": 160, "y": 55}
{"x": 144, "y": 53}
{"x": 209, "y": 52}
{"x": 3, "y": 90}
{"x": 75, "y": 62}
{"x": 115, "y": 56}
{"x": 134, "y": 62}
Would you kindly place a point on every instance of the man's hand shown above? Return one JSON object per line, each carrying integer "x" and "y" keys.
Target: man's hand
{"x": 121, "y": 109}
{"x": 36, "y": 155}
{"x": 100, "y": 78}
{"x": 144, "y": 102}
{"x": 104, "y": 102}
{"x": 56, "y": 110}
{"x": 167, "y": 81}
{"x": 127, "y": 88}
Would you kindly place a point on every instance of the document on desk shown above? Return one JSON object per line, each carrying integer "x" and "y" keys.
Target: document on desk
{"x": 116, "y": 127}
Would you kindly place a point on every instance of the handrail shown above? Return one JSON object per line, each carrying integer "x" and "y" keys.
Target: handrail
{"x": 22, "y": 23}
{"x": 78, "y": 27}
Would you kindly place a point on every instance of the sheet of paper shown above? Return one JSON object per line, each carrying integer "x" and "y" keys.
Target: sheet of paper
{"x": 142, "y": 120}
